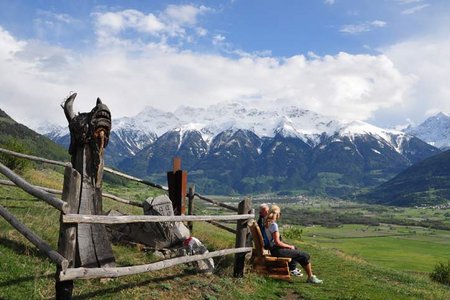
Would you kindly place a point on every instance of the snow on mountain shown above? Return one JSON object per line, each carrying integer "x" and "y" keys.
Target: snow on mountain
{"x": 435, "y": 130}
{"x": 52, "y": 131}
{"x": 289, "y": 121}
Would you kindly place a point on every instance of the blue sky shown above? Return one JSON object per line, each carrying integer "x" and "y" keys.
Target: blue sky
{"x": 382, "y": 61}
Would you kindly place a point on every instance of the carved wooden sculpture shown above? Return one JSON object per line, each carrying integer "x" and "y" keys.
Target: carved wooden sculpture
{"x": 89, "y": 134}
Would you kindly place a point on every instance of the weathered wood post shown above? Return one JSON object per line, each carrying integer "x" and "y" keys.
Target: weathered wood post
{"x": 67, "y": 243}
{"x": 191, "y": 206}
{"x": 177, "y": 182}
{"x": 245, "y": 207}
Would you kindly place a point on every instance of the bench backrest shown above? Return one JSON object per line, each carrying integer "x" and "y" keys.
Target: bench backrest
{"x": 257, "y": 239}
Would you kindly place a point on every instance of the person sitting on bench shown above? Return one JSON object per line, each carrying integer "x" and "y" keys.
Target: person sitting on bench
{"x": 263, "y": 212}
{"x": 278, "y": 248}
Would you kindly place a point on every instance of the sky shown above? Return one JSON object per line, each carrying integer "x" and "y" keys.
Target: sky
{"x": 386, "y": 62}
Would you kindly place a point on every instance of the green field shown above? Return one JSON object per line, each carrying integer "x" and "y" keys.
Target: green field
{"x": 412, "y": 249}
{"x": 340, "y": 257}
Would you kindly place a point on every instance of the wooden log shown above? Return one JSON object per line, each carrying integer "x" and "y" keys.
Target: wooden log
{"x": 216, "y": 202}
{"x": 67, "y": 243}
{"x": 158, "y": 186}
{"x": 58, "y": 192}
{"x": 176, "y": 164}
{"x": 191, "y": 206}
{"x": 32, "y": 190}
{"x": 121, "y": 200}
{"x": 34, "y": 239}
{"x": 106, "y": 169}
{"x": 99, "y": 219}
{"x": 35, "y": 158}
{"x": 224, "y": 227}
{"x": 88, "y": 273}
{"x": 244, "y": 208}
{"x": 177, "y": 182}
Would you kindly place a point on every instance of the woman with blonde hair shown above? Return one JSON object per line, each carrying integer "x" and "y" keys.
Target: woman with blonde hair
{"x": 281, "y": 249}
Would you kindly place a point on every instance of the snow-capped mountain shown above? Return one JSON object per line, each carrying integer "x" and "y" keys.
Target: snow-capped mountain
{"x": 230, "y": 147}
{"x": 435, "y": 131}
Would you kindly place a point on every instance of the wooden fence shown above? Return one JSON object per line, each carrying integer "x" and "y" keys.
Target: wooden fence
{"x": 65, "y": 256}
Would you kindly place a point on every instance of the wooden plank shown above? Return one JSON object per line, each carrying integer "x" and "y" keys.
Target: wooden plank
{"x": 177, "y": 182}
{"x": 176, "y": 164}
{"x": 67, "y": 243}
{"x": 32, "y": 190}
{"x": 87, "y": 254}
{"x": 191, "y": 206}
{"x": 75, "y": 218}
{"x": 34, "y": 239}
{"x": 244, "y": 208}
{"x": 183, "y": 188}
{"x": 216, "y": 202}
{"x": 68, "y": 232}
{"x": 88, "y": 273}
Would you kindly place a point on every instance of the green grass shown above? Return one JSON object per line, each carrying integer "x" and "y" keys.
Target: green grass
{"x": 27, "y": 274}
{"x": 412, "y": 249}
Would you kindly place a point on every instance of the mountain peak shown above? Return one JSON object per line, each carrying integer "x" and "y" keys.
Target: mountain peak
{"x": 435, "y": 130}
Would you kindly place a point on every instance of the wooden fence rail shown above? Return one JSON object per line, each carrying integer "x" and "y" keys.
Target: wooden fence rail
{"x": 224, "y": 227}
{"x": 98, "y": 219}
{"x": 69, "y": 217}
{"x": 34, "y": 239}
{"x": 106, "y": 169}
{"x": 87, "y": 273}
{"x": 32, "y": 190}
{"x": 58, "y": 192}
{"x": 216, "y": 202}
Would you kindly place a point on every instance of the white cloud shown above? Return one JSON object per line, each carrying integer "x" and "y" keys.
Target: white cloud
{"x": 330, "y": 2}
{"x": 427, "y": 60}
{"x": 351, "y": 86}
{"x": 173, "y": 22}
{"x": 362, "y": 27}
{"x": 403, "y": 2}
{"x": 218, "y": 39}
{"x": 414, "y": 9}
{"x": 185, "y": 14}
{"x": 63, "y": 18}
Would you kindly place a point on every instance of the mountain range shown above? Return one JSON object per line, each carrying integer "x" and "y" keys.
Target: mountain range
{"x": 233, "y": 148}
{"x": 423, "y": 184}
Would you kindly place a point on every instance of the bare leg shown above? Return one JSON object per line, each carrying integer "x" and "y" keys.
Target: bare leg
{"x": 308, "y": 270}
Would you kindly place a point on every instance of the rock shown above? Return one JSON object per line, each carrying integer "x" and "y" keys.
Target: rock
{"x": 194, "y": 246}
{"x": 155, "y": 235}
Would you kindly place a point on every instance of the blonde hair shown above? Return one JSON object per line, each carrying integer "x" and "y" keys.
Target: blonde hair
{"x": 273, "y": 216}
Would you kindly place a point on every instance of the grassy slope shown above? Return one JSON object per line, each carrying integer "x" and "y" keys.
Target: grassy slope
{"x": 34, "y": 143}
{"x": 25, "y": 273}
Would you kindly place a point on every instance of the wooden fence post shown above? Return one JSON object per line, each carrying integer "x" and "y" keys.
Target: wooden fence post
{"x": 177, "y": 181}
{"x": 67, "y": 243}
{"x": 191, "y": 206}
{"x": 245, "y": 207}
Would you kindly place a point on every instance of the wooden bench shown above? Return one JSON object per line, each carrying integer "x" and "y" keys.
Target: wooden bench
{"x": 263, "y": 263}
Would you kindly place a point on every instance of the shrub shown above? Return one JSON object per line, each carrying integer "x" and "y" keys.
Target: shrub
{"x": 12, "y": 162}
{"x": 293, "y": 233}
{"x": 441, "y": 273}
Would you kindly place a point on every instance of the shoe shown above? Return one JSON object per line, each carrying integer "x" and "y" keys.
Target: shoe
{"x": 296, "y": 272}
{"x": 314, "y": 279}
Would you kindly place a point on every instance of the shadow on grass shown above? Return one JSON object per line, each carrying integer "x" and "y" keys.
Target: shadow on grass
{"x": 21, "y": 248}
{"x": 23, "y": 279}
{"x": 116, "y": 289}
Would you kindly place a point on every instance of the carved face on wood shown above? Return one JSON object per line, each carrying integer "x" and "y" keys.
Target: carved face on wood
{"x": 90, "y": 129}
